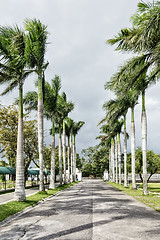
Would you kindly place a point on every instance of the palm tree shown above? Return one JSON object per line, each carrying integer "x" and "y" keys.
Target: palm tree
{"x": 63, "y": 109}
{"x": 36, "y": 49}
{"x": 58, "y": 130}
{"x": 13, "y": 70}
{"x": 69, "y": 123}
{"x": 140, "y": 84}
{"x": 115, "y": 109}
{"x": 119, "y": 125}
{"x": 116, "y": 157}
{"x": 75, "y": 129}
{"x": 50, "y": 107}
{"x": 143, "y": 39}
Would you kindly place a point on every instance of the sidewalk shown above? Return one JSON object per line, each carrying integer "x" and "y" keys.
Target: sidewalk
{"x": 7, "y": 197}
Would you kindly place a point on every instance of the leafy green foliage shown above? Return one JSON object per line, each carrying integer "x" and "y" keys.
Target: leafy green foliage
{"x": 153, "y": 163}
{"x": 8, "y": 136}
{"x": 95, "y": 160}
{"x": 47, "y": 158}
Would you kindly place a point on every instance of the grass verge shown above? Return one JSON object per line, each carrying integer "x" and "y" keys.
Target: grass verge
{"x": 152, "y": 200}
{"x": 13, "y": 207}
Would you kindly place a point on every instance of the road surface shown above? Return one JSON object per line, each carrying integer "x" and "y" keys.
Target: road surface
{"x": 91, "y": 210}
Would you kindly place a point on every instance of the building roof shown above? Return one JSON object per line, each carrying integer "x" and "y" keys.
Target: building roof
{"x": 7, "y": 170}
{"x": 12, "y": 171}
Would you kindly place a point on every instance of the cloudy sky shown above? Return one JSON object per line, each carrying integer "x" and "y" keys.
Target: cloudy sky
{"x": 79, "y": 55}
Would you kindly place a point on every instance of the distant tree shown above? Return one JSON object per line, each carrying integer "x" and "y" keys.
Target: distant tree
{"x": 100, "y": 161}
{"x": 153, "y": 163}
{"x": 47, "y": 158}
{"x": 3, "y": 163}
{"x": 79, "y": 161}
{"x": 8, "y": 136}
{"x": 95, "y": 160}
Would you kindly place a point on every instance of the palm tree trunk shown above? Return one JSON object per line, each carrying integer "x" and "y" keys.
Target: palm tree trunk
{"x": 52, "y": 176}
{"x": 64, "y": 152}
{"x": 112, "y": 160}
{"x": 125, "y": 153}
{"x": 40, "y": 131}
{"x": 68, "y": 157}
{"x": 116, "y": 158}
{"x": 144, "y": 145}
{"x": 110, "y": 167}
{"x": 60, "y": 157}
{"x": 19, "y": 194}
{"x": 74, "y": 159}
{"x": 133, "y": 149}
{"x": 119, "y": 158}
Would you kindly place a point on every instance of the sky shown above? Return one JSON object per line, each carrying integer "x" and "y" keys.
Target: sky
{"x": 78, "y": 53}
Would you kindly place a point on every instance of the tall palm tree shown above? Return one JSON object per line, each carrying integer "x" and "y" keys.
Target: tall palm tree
{"x": 143, "y": 39}
{"x": 63, "y": 109}
{"x": 140, "y": 84}
{"x": 119, "y": 125}
{"x": 115, "y": 109}
{"x": 58, "y": 130}
{"x": 116, "y": 157}
{"x": 110, "y": 131}
{"x": 105, "y": 136}
{"x": 50, "y": 107}
{"x": 36, "y": 48}
{"x": 75, "y": 129}
{"x": 69, "y": 123}
{"x": 14, "y": 71}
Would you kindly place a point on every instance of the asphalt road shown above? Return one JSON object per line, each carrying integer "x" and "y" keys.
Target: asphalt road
{"x": 90, "y": 210}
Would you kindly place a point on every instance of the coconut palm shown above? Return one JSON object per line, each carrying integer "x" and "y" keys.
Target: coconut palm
{"x": 13, "y": 71}
{"x": 36, "y": 48}
{"x": 75, "y": 129}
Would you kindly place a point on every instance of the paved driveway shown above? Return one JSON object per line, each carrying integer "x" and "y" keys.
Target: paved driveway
{"x": 89, "y": 210}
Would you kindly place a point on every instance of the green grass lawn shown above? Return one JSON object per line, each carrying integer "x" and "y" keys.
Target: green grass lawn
{"x": 153, "y": 187}
{"x": 13, "y": 207}
{"x": 151, "y": 200}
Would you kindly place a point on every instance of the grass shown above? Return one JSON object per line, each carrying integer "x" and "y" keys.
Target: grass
{"x": 152, "y": 187}
{"x": 13, "y": 207}
{"x": 151, "y": 200}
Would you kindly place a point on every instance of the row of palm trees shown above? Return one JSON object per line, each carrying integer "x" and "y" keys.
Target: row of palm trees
{"x": 56, "y": 109}
{"x": 131, "y": 80}
{"x": 22, "y": 52}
